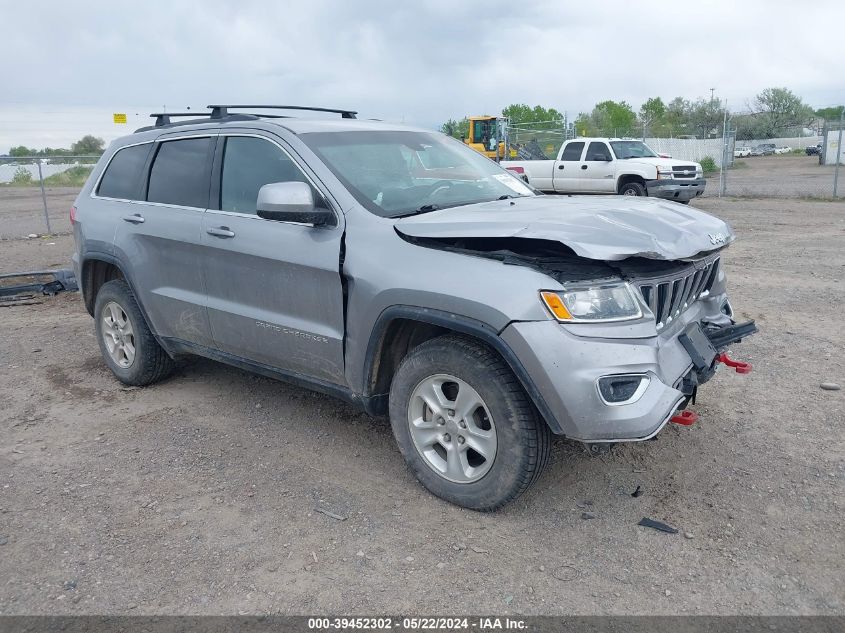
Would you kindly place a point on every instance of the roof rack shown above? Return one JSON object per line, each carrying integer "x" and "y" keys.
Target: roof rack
{"x": 163, "y": 118}
{"x": 219, "y": 111}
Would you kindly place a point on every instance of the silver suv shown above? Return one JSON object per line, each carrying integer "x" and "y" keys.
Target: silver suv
{"x": 400, "y": 270}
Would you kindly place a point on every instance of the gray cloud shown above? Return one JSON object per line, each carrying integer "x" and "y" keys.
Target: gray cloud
{"x": 420, "y": 61}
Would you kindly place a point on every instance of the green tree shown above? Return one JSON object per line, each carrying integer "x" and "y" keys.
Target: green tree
{"x": 614, "y": 119}
{"x": 22, "y": 176}
{"x": 456, "y": 129}
{"x": 22, "y": 150}
{"x": 584, "y": 125}
{"x": 88, "y": 144}
{"x": 705, "y": 118}
{"x": 521, "y": 114}
{"x": 780, "y": 108}
{"x": 830, "y": 114}
{"x": 651, "y": 113}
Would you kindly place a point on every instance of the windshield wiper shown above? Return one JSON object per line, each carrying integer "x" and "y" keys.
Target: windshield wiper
{"x": 506, "y": 196}
{"x": 426, "y": 208}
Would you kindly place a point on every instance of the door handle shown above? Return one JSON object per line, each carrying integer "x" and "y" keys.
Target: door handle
{"x": 583, "y": 167}
{"x": 560, "y": 166}
{"x": 134, "y": 219}
{"x": 221, "y": 231}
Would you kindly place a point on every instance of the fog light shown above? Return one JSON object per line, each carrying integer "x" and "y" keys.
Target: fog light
{"x": 622, "y": 389}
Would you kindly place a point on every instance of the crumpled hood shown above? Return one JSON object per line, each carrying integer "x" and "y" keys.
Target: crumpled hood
{"x": 605, "y": 228}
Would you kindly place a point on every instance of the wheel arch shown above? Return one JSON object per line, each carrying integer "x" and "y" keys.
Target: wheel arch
{"x": 96, "y": 270}
{"x": 400, "y": 328}
{"x": 624, "y": 179}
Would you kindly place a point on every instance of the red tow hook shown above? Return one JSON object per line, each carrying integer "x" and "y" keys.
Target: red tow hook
{"x": 739, "y": 366}
{"x": 685, "y": 418}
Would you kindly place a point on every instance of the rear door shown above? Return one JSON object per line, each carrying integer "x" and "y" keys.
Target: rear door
{"x": 566, "y": 170}
{"x": 274, "y": 288}
{"x": 597, "y": 169}
{"x": 159, "y": 237}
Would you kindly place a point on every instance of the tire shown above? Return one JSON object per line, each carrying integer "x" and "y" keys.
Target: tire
{"x": 683, "y": 201}
{"x": 633, "y": 189}
{"x": 132, "y": 353}
{"x": 505, "y": 426}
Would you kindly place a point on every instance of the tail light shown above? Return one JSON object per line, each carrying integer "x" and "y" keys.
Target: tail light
{"x": 516, "y": 170}
{"x": 73, "y": 215}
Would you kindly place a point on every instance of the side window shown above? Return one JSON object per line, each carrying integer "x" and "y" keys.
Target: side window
{"x": 123, "y": 174}
{"x": 179, "y": 174}
{"x": 249, "y": 163}
{"x": 597, "y": 151}
{"x": 573, "y": 151}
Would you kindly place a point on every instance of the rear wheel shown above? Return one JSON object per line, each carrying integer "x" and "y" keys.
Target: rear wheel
{"x": 464, "y": 424}
{"x": 126, "y": 342}
{"x": 633, "y": 189}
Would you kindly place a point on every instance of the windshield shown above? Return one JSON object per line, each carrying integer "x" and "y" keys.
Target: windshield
{"x": 632, "y": 149}
{"x": 401, "y": 173}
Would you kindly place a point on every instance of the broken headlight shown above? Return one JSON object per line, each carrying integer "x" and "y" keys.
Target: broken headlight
{"x": 611, "y": 302}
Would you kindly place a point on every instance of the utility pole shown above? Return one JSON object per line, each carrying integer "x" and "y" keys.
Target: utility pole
{"x": 838, "y": 153}
{"x": 712, "y": 93}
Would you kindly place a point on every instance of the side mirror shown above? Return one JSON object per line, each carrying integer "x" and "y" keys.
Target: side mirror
{"x": 291, "y": 202}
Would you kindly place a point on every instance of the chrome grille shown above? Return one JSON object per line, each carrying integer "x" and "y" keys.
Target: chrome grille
{"x": 667, "y": 297}
{"x": 683, "y": 171}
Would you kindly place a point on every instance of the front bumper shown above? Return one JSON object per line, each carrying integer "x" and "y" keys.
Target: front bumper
{"x": 566, "y": 367}
{"x": 677, "y": 189}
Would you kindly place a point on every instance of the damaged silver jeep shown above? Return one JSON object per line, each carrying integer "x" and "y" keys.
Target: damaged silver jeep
{"x": 404, "y": 272}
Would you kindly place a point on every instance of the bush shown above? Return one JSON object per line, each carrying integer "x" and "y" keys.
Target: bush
{"x": 708, "y": 165}
{"x": 73, "y": 177}
{"x": 22, "y": 176}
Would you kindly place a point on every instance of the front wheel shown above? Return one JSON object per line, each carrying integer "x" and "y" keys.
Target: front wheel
{"x": 464, "y": 424}
{"x": 633, "y": 189}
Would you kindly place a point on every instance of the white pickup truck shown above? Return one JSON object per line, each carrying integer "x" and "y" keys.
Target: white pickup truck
{"x": 611, "y": 165}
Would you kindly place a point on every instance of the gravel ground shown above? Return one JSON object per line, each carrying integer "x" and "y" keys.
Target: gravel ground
{"x": 785, "y": 175}
{"x": 22, "y": 210}
{"x": 200, "y": 495}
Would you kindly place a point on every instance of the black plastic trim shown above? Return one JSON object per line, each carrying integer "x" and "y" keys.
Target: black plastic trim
{"x": 179, "y": 346}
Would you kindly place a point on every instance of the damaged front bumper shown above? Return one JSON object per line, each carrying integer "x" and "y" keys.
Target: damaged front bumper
{"x": 680, "y": 189}
{"x": 571, "y": 373}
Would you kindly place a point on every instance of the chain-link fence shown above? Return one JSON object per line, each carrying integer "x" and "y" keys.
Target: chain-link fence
{"x": 36, "y": 193}
{"x": 791, "y": 167}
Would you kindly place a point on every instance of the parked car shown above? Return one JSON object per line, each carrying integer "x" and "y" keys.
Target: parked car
{"x": 608, "y": 165}
{"x": 813, "y": 150}
{"x": 766, "y": 149}
{"x": 400, "y": 270}
{"x": 783, "y": 149}
{"x": 742, "y": 151}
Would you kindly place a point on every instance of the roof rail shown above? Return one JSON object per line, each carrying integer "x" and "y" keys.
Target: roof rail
{"x": 219, "y": 111}
{"x": 163, "y": 118}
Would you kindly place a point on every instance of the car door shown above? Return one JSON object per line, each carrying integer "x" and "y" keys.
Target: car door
{"x": 597, "y": 169}
{"x": 274, "y": 288}
{"x": 158, "y": 238}
{"x": 565, "y": 172}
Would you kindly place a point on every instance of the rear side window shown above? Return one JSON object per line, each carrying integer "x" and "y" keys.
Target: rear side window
{"x": 249, "y": 163}
{"x": 597, "y": 151}
{"x": 179, "y": 174}
{"x": 123, "y": 174}
{"x": 572, "y": 151}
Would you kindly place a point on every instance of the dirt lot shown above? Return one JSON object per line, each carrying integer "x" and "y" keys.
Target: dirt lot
{"x": 780, "y": 175}
{"x": 22, "y": 210}
{"x": 198, "y": 495}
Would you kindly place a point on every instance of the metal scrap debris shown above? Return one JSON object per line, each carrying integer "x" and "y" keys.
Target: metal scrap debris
{"x": 33, "y": 283}
{"x": 657, "y": 525}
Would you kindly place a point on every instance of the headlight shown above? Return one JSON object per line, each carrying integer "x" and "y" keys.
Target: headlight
{"x": 611, "y": 302}
{"x": 665, "y": 173}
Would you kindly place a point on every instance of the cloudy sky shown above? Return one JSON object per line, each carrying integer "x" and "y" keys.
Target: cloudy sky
{"x": 66, "y": 66}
